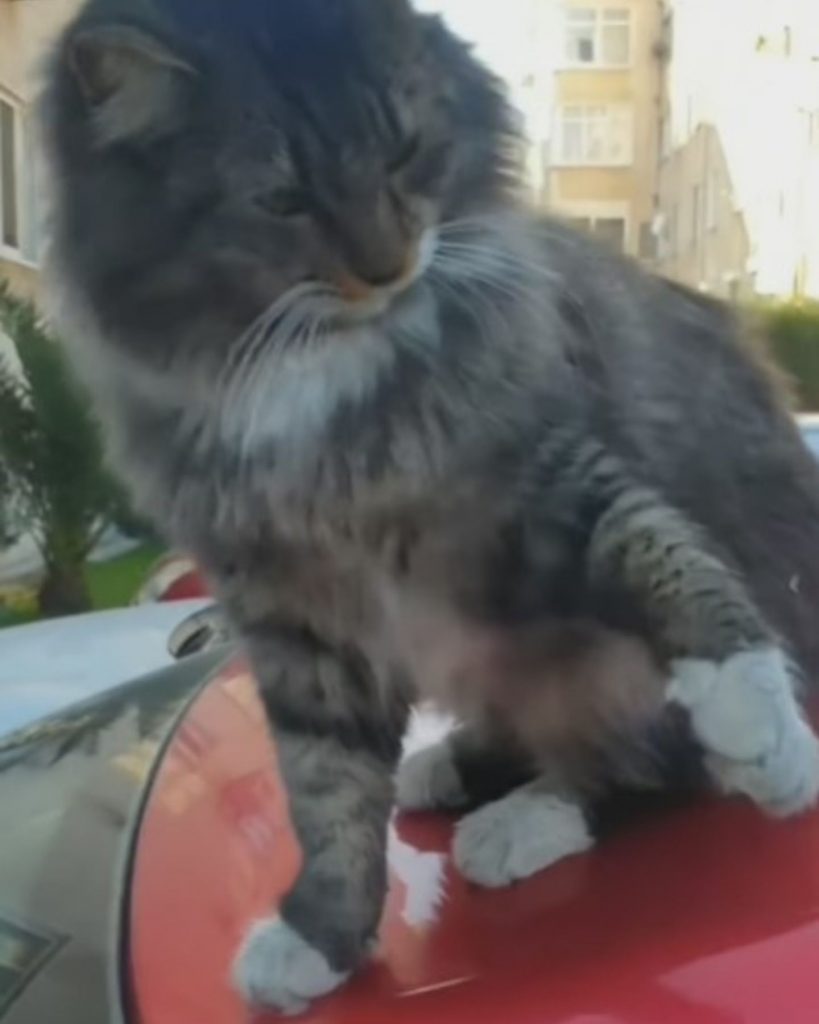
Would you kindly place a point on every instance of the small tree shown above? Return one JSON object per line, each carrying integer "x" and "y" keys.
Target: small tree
{"x": 7, "y": 518}
{"x": 51, "y": 458}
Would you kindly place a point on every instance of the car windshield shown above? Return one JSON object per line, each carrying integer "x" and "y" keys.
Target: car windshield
{"x": 72, "y": 786}
{"x": 811, "y": 435}
{"x": 46, "y": 667}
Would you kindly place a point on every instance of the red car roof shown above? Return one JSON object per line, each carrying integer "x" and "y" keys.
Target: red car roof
{"x": 706, "y": 916}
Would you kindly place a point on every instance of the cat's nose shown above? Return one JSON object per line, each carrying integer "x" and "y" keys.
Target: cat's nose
{"x": 383, "y": 269}
{"x": 357, "y": 284}
{"x": 372, "y": 243}
{"x": 383, "y": 278}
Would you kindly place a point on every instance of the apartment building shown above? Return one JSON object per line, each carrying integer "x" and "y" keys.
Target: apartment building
{"x": 739, "y": 176}
{"x": 519, "y": 41}
{"x": 26, "y": 29}
{"x": 605, "y": 134}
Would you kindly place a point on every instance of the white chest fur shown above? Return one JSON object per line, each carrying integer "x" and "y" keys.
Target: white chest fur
{"x": 292, "y": 397}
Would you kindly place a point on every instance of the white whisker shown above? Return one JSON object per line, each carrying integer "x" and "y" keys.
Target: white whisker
{"x": 467, "y": 272}
{"x": 497, "y": 257}
{"x": 248, "y": 346}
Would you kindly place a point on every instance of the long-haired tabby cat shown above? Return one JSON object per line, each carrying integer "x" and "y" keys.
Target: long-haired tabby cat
{"x": 425, "y": 443}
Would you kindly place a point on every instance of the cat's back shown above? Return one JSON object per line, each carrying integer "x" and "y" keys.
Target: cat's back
{"x": 681, "y": 389}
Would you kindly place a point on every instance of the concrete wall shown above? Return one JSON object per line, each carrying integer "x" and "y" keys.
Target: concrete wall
{"x": 705, "y": 239}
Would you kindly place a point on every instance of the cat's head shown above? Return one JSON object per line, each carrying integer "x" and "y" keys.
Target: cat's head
{"x": 214, "y": 157}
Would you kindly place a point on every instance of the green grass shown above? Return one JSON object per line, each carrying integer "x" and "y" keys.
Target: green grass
{"x": 13, "y": 618}
{"x": 113, "y": 584}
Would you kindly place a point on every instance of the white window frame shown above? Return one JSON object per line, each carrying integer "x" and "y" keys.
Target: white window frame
{"x": 602, "y": 112}
{"x": 25, "y": 250}
{"x": 602, "y": 16}
{"x": 670, "y": 233}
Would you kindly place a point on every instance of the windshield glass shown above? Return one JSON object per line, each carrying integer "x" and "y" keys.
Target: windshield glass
{"x": 50, "y": 666}
{"x": 69, "y": 789}
{"x": 811, "y": 435}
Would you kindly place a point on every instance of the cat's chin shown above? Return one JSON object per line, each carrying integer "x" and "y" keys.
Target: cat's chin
{"x": 377, "y": 307}
{"x": 382, "y": 301}
{"x": 372, "y": 308}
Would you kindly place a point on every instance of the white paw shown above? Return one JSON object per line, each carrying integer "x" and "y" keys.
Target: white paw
{"x": 745, "y": 714}
{"x": 428, "y": 779}
{"x": 518, "y": 836}
{"x": 276, "y": 969}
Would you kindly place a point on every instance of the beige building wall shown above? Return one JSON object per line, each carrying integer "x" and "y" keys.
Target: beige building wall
{"x": 704, "y": 235}
{"x": 623, "y": 184}
{"x": 739, "y": 181}
{"x": 27, "y": 27}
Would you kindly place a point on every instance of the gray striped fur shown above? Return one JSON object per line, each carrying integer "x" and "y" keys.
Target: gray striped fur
{"x": 522, "y": 487}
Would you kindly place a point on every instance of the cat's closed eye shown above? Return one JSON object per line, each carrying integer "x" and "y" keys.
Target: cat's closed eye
{"x": 405, "y": 155}
{"x": 429, "y": 167}
{"x": 284, "y": 202}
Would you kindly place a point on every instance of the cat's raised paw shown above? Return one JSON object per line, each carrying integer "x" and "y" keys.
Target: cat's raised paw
{"x": 429, "y": 780}
{"x": 277, "y": 970}
{"x": 746, "y": 716}
{"x": 516, "y": 837}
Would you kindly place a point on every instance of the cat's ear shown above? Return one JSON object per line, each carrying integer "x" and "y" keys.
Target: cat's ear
{"x": 134, "y": 84}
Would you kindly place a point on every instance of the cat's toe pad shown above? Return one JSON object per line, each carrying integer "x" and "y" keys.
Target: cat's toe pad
{"x": 518, "y": 836}
{"x": 429, "y": 779}
{"x": 276, "y": 969}
{"x": 747, "y": 718}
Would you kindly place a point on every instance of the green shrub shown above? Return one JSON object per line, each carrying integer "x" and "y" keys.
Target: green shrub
{"x": 792, "y": 331}
{"x": 51, "y": 467}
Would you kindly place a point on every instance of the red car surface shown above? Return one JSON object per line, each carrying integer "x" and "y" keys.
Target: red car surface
{"x": 172, "y": 578}
{"x": 707, "y": 915}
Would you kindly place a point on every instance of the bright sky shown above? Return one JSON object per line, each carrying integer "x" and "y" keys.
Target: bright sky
{"x": 499, "y": 36}
{"x": 518, "y": 39}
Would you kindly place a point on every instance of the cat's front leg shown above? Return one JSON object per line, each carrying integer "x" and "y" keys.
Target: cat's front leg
{"x": 728, "y": 669}
{"x": 472, "y": 765}
{"x": 337, "y": 750}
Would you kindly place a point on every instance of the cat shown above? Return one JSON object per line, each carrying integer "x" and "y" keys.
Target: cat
{"x": 426, "y": 443}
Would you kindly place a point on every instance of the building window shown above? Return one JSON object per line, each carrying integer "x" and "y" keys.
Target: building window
{"x": 611, "y": 231}
{"x": 9, "y": 176}
{"x": 672, "y": 231}
{"x": 18, "y": 213}
{"x": 595, "y": 136}
{"x": 598, "y": 37}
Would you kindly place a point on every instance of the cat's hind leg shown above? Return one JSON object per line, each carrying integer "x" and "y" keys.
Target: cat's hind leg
{"x": 744, "y": 713}
{"x": 728, "y": 670}
{"x": 520, "y": 827}
{"x": 470, "y": 766}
